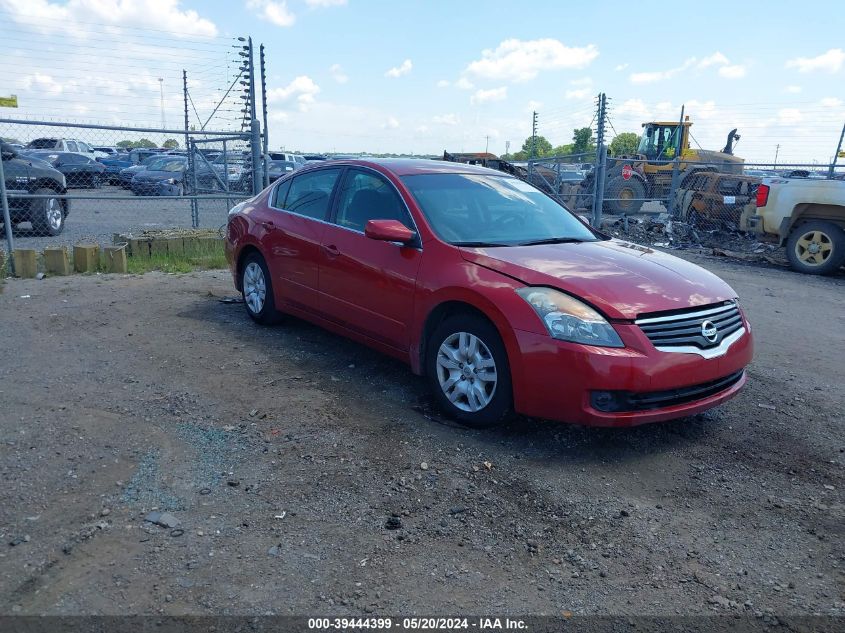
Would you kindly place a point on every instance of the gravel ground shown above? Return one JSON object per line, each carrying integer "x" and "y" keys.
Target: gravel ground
{"x": 98, "y": 220}
{"x": 305, "y": 474}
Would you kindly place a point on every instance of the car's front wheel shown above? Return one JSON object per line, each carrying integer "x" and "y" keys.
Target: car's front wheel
{"x": 467, "y": 368}
{"x": 257, "y": 290}
{"x": 47, "y": 214}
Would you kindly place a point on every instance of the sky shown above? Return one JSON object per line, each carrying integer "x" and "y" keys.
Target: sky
{"x": 426, "y": 76}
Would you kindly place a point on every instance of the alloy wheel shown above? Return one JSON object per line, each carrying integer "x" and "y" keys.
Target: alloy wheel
{"x": 814, "y": 248}
{"x": 466, "y": 371}
{"x": 255, "y": 287}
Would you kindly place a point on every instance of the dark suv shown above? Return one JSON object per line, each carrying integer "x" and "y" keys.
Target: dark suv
{"x": 35, "y": 177}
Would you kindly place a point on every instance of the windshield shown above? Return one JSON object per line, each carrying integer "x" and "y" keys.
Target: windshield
{"x": 492, "y": 210}
{"x": 168, "y": 164}
{"x": 43, "y": 143}
{"x": 236, "y": 159}
{"x": 659, "y": 141}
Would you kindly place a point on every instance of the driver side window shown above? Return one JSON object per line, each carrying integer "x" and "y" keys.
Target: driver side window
{"x": 366, "y": 196}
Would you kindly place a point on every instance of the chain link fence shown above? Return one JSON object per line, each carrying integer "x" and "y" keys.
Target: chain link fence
{"x": 71, "y": 183}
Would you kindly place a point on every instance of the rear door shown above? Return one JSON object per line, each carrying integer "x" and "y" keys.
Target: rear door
{"x": 368, "y": 285}
{"x": 291, "y": 231}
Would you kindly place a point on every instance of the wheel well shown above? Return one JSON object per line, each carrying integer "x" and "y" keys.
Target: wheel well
{"x": 827, "y": 212}
{"x": 246, "y": 251}
{"x": 439, "y": 314}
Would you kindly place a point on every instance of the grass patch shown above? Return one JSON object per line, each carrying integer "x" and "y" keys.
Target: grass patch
{"x": 205, "y": 256}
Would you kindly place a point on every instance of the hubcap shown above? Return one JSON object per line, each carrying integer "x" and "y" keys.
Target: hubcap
{"x": 54, "y": 213}
{"x": 466, "y": 371}
{"x": 255, "y": 287}
{"x": 814, "y": 248}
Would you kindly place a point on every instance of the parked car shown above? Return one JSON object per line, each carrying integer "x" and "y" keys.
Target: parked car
{"x": 106, "y": 151}
{"x": 293, "y": 158}
{"x": 27, "y": 177}
{"x": 232, "y": 168}
{"x": 278, "y": 168}
{"x": 126, "y": 174}
{"x": 61, "y": 145}
{"x": 712, "y": 197}
{"x": 807, "y": 216}
{"x": 310, "y": 158}
{"x": 162, "y": 177}
{"x": 499, "y": 295}
{"x": 79, "y": 170}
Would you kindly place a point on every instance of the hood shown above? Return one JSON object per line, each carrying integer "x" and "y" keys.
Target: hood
{"x": 134, "y": 169}
{"x": 158, "y": 175}
{"x": 619, "y": 278}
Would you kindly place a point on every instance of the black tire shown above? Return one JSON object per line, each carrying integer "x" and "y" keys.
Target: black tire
{"x": 267, "y": 314}
{"x": 624, "y": 196}
{"x": 47, "y": 214}
{"x": 96, "y": 181}
{"x": 500, "y": 395}
{"x": 816, "y": 247}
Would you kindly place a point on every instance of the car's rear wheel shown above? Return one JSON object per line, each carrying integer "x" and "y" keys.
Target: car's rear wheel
{"x": 257, "y": 290}
{"x": 816, "y": 247}
{"x": 96, "y": 181}
{"x": 467, "y": 368}
{"x": 47, "y": 214}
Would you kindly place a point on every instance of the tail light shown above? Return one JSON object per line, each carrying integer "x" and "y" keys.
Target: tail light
{"x": 762, "y": 195}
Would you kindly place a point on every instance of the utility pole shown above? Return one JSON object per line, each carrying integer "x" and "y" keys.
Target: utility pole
{"x": 507, "y": 148}
{"x": 777, "y": 149}
{"x": 533, "y": 135}
{"x": 487, "y": 144}
{"x": 161, "y": 90}
{"x": 254, "y": 125}
{"x": 601, "y": 159}
{"x": 836, "y": 153}
{"x": 266, "y": 147}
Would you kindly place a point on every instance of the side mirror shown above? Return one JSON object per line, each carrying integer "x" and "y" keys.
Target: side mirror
{"x": 388, "y": 231}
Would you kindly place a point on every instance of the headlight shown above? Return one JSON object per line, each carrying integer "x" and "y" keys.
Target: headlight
{"x": 568, "y": 319}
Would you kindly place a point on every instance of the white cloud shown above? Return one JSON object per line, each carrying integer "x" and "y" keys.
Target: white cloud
{"x": 583, "y": 81}
{"x": 337, "y": 74}
{"x": 302, "y": 88}
{"x": 446, "y": 119}
{"x": 325, "y": 3}
{"x": 443, "y": 83}
{"x": 521, "y": 60}
{"x": 831, "y": 102}
{"x": 533, "y": 106}
{"x": 790, "y": 116}
{"x": 793, "y": 89}
{"x": 732, "y": 71}
{"x": 274, "y": 12}
{"x": 621, "y": 67}
{"x": 831, "y": 62}
{"x": 716, "y": 59}
{"x": 42, "y": 83}
{"x": 579, "y": 93}
{"x": 464, "y": 84}
{"x": 391, "y": 123}
{"x": 397, "y": 71}
{"x": 75, "y": 16}
{"x": 635, "y": 108}
{"x": 485, "y": 96}
{"x": 660, "y": 75}
{"x": 422, "y": 129}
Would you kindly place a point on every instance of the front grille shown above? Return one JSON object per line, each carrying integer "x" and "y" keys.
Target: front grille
{"x": 685, "y": 328}
{"x": 622, "y": 401}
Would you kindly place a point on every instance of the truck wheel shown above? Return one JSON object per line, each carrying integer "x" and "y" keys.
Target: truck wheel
{"x": 816, "y": 247}
{"x": 624, "y": 196}
{"x": 47, "y": 214}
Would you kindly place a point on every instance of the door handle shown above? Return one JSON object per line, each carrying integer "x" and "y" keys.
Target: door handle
{"x": 331, "y": 250}
{"x": 268, "y": 225}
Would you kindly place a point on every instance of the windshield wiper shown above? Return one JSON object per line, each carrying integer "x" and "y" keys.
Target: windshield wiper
{"x": 479, "y": 244}
{"x": 551, "y": 240}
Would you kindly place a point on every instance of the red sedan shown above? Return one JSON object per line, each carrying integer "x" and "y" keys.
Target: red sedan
{"x": 496, "y": 293}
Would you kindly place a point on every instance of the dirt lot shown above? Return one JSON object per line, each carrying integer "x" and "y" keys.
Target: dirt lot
{"x": 283, "y": 452}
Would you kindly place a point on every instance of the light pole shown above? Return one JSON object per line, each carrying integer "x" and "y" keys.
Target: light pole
{"x": 161, "y": 90}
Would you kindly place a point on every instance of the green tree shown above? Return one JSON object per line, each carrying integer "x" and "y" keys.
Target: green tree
{"x": 145, "y": 143}
{"x": 542, "y": 147}
{"x": 125, "y": 144}
{"x": 624, "y": 144}
{"x": 582, "y": 141}
{"x": 170, "y": 143}
{"x": 562, "y": 150}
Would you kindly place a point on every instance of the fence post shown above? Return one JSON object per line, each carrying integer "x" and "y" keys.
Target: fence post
{"x": 676, "y": 165}
{"x": 601, "y": 161}
{"x": 836, "y": 154}
{"x": 7, "y": 220}
{"x": 192, "y": 165}
{"x": 255, "y": 147}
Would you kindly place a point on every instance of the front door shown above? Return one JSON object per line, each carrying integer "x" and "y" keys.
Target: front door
{"x": 368, "y": 285}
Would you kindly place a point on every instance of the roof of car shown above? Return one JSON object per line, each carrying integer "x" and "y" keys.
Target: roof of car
{"x": 412, "y": 166}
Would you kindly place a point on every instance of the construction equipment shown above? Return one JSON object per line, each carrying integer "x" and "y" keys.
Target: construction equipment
{"x": 648, "y": 174}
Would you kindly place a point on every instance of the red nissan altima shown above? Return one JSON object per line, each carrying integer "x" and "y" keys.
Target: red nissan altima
{"x": 496, "y": 293}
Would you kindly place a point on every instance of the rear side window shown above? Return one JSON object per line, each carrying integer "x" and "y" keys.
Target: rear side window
{"x": 309, "y": 194}
{"x": 281, "y": 194}
{"x": 71, "y": 146}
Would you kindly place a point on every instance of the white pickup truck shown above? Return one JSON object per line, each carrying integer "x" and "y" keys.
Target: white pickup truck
{"x": 806, "y": 215}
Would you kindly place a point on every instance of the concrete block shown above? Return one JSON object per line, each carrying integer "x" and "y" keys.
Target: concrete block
{"x": 210, "y": 244}
{"x": 26, "y": 262}
{"x": 139, "y": 248}
{"x": 56, "y": 261}
{"x": 190, "y": 245}
{"x": 86, "y": 258}
{"x": 175, "y": 246}
{"x": 114, "y": 258}
{"x": 158, "y": 246}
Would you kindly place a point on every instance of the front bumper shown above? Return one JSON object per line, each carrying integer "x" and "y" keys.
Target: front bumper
{"x": 558, "y": 380}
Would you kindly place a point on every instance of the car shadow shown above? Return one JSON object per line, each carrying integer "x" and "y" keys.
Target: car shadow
{"x": 323, "y": 353}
